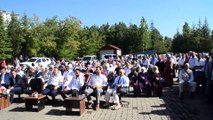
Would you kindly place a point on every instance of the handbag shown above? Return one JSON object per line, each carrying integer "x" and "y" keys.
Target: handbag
{"x": 122, "y": 90}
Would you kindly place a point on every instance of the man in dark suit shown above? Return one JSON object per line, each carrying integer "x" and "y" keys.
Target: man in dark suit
{"x": 209, "y": 77}
{"x": 4, "y": 78}
{"x": 17, "y": 84}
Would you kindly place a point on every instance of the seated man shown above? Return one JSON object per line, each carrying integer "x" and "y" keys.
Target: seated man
{"x": 53, "y": 84}
{"x": 95, "y": 86}
{"x": 119, "y": 86}
{"x": 4, "y": 78}
{"x": 186, "y": 79}
{"x": 17, "y": 84}
{"x": 75, "y": 84}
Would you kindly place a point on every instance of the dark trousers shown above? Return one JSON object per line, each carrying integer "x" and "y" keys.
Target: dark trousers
{"x": 200, "y": 79}
{"x": 144, "y": 88}
{"x": 209, "y": 91}
{"x": 50, "y": 90}
{"x": 72, "y": 92}
{"x": 16, "y": 90}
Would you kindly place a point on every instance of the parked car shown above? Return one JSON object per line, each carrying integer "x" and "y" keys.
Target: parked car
{"x": 35, "y": 61}
{"x": 89, "y": 58}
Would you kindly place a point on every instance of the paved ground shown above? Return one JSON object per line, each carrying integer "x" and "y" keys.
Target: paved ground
{"x": 168, "y": 107}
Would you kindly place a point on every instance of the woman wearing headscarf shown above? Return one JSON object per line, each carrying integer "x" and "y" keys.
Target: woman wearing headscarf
{"x": 142, "y": 83}
{"x": 155, "y": 79}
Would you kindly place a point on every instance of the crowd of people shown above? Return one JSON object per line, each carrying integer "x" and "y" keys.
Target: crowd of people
{"x": 147, "y": 76}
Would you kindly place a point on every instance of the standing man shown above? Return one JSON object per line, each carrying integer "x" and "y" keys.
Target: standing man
{"x": 209, "y": 77}
{"x": 96, "y": 84}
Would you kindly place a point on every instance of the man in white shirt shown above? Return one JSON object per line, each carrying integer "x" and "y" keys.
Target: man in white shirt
{"x": 20, "y": 71}
{"x": 54, "y": 82}
{"x": 68, "y": 76}
{"x": 96, "y": 84}
{"x": 46, "y": 73}
{"x": 192, "y": 61}
{"x": 75, "y": 84}
{"x": 186, "y": 79}
{"x": 120, "y": 85}
{"x": 200, "y": 72}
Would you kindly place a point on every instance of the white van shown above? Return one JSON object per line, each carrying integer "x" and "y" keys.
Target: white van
{"x": 89, "y": 58}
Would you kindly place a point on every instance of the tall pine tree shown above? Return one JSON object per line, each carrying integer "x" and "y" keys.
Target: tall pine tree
{"x": 15, "y": 35}
{"x": 5, "y": 44}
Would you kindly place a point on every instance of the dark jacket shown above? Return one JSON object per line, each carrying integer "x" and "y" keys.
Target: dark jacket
{"x": 19, "y": 82}
{"x": 6, "y": 78}
{"x": 208, "y": 70}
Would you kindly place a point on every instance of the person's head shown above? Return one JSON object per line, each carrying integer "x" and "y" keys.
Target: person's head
{"x": 143, "y": 70}
{"x": 3, "y": 70}
{"x": 46, "y": 69}
{"x": 88, "y": 65}
{"x": 67, "y": 67}
{"x": 159, "y": 58}
{"x": 55, "y": 71}
{"x": 37, "y": 68}
{"x": 98, "y": 70}
{"x": 13, "y": 72}
{"x": 168, "y": 57}
{"x": 155, "y": 69}
{"x": 121, "y": 72}
{"x": 77, "y": 71}
{"x": 51, "y": 68}
{"x": 186, "y": 66}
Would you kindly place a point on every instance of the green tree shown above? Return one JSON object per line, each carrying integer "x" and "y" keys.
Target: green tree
{"x": 33, "y": 45}
{"x": 48, "y": 37}
{"x": 177, "y": 43}
{"x": 206, "y": 42}
{"x": 68, "y": 43}
{"x": 131, "y": 44}
{"x": 157, "y": 42}
{"x": 91, "y": 41}
{"x": 15, "y": 35}
{"x": 145, "y": 40}
{"x": 186, "y": 30}
{"x": 26, "y": 35}
{"x": 5, "y": 44}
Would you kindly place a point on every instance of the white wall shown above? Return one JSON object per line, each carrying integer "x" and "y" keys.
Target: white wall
{"x": 102, "y": 52}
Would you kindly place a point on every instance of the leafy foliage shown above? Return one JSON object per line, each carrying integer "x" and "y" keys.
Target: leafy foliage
{"x": 68, "y": 39}
{"x": 5, "y": 44}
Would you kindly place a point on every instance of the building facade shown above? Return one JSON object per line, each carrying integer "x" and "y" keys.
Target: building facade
{"x": 7, "y": 16}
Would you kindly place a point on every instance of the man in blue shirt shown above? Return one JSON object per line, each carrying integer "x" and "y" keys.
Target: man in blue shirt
{"x": 119, "y": 86}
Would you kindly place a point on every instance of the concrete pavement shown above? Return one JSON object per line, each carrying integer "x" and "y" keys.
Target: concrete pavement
{"x": 168, "y": 107}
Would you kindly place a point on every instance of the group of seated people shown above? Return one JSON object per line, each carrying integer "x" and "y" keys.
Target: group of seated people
{"x": 75, "y": 82}
{"x": 92, "y": 82}
{"x": 93, "y": 87}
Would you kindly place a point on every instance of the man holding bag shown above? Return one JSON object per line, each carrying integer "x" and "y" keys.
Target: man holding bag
{"x": 120, "y": 86}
